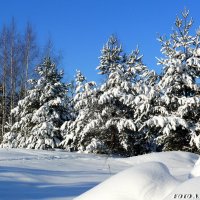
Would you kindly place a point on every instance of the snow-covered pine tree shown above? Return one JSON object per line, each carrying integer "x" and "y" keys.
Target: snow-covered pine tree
{"x": 144, "y": 104}
{"x": 40, "y": 114}
{"x": 111, "y": 56}
{"x": 177, "y": 111}
{"x": 84, "y": 105}
{"x": 111, "y": 127}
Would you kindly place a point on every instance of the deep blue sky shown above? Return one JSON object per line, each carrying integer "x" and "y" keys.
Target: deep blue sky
{"x": 79, "y": 28}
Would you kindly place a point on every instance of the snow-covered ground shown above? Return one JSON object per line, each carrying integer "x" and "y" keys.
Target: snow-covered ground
{"x": 56, "y": 175}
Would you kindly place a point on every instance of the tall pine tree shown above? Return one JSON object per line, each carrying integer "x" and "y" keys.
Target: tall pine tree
{"x": 85, "y": 106}
{"x": 175, "y": 123}
{"x": 105, "y": 121}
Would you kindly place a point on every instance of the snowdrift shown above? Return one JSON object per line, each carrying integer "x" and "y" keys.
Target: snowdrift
{"x": 152, "y": 180}
{"x": 58, "y": 175}
{"x": 189, "y": 189}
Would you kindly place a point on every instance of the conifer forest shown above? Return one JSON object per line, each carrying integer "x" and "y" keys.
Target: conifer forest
{"x": 133, "y": 111}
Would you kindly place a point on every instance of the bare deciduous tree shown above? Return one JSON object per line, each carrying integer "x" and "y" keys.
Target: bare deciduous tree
{"x": 18, "y": 53}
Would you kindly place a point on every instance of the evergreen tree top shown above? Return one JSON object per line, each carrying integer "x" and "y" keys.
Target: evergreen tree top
{"x": 111, "y": 56}
{"x": 181, "y": 44}
{"x": 181, "y": 65}
{"x": 79, "y": 78}
{"x": 48, "y": 71}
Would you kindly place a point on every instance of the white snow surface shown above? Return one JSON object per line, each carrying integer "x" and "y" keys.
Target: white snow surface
{"x": 196, "y": 169}
{"x": 58, "y": 175}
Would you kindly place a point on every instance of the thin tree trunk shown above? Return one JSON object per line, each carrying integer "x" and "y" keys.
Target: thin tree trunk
{"x": 30, "y": 53}
{"x": 4, "y": 73}
{"x": 12, "y": 75}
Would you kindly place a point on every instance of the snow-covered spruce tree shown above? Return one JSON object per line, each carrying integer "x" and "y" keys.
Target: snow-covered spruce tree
{"x": 177, "y": 111}
{"x": 84, "y": 105}
{"x": 40, "y": 114}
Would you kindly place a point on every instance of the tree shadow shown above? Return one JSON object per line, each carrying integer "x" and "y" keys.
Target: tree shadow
{"x": 10, "y": 188}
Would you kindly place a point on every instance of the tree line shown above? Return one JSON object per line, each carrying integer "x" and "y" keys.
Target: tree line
{"x": 134, "y": 111}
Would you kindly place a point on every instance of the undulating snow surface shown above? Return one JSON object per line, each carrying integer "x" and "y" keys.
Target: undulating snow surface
{"x": 150, "y": 181}
{"x": 56, "y": 175}
{"x": 51, "y": 175}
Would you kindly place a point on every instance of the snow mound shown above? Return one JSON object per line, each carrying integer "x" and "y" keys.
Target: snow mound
{"x": 187, "y": 190}
{"x": 150, "y": 180}
{"x": 196, "y": 170}
{"x": 172, "y": 159}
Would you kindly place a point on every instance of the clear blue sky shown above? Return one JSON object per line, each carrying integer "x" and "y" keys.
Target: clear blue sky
{"x": 79, "y": 28}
